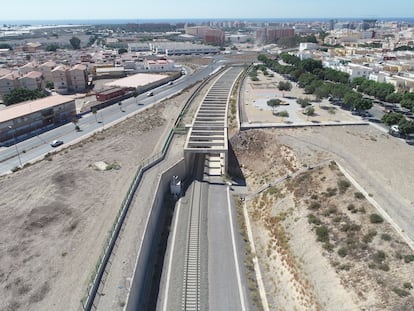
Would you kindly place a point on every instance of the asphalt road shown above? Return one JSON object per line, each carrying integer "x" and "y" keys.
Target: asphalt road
{"x": 37, "y": 146}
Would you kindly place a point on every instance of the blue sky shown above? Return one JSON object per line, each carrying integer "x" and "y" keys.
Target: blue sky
{"x": 147, "y": 9}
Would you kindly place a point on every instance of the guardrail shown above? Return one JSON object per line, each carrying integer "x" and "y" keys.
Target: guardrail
{"x": 87, "y": 301}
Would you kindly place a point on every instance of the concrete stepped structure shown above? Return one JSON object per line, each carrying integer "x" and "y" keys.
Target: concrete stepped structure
{"x": 208, "y": 132}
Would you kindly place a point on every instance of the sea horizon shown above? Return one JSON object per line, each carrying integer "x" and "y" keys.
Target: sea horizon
{"x": 195, "y": 20}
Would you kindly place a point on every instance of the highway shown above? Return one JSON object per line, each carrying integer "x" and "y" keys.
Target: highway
{"x": 203, "y": 269}
{"x": 38, "y": 146}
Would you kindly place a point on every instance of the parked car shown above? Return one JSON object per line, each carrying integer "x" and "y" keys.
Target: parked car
{"x": 56, "y": 143}
{"x": 150, "y": 94}
{"x": 170, "y": 83}
{"x": 410, "y": 141}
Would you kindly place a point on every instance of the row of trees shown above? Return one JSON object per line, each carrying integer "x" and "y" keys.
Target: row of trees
{"x": 404, "y": 126}
{"x": 314, "y": 79}
{"x": 20, "y": 95}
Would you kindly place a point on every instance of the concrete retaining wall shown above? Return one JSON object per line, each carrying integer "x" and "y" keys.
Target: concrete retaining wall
{"x": 144, "y": 270}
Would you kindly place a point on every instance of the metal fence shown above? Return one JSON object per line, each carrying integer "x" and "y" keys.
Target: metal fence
{"x": 87, "y": 301}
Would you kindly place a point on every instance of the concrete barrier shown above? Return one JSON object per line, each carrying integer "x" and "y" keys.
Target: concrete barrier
{"x": 139, "y": 293}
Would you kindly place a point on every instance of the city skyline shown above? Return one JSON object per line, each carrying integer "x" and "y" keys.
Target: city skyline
{"x": 186, "y": 9}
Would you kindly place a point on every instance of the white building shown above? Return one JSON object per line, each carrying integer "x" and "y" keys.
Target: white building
{"x": 32, "y": 81}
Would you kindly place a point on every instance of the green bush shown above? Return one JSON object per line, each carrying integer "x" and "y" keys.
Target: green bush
{"x": 345, "y": 267}
{"x": 408, "y": 258}
{"x": 315, "y": 205}
{"x": 379, "y": 256}
{"x": 343, "y": 251}
{"x": 375, "y": 219}
{"x": 330, "y": 192}
{"x": 384, "y": 267}
{"x": 312, "y": 219}
{"x": 400, "y": 292}
{"x": 351, "y": 207}
{"x": 322, "y": 233}
{"x": 343, "y": 185}
{"x": 386, "y": 237}
{"x": 408, "y": 285}
{"x": 359, "y": 195}
{"x": 367, "y": 238}
{"x": 328, "y": 246}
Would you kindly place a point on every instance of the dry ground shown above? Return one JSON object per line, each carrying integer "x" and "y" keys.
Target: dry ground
{"x": 358, "y": 265}
{"x": 55, "y": 215}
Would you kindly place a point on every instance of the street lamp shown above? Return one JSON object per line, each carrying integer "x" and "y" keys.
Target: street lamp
{"x": 15, "y": 143}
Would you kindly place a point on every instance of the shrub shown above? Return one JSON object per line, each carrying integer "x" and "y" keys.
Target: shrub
{"x": 386, "y": 237}
{"x": 379, "y": 256}
{"x": 351, "y": 207}
{"x": 345, "y": 227}
{"x": 359, "y": 195}
{"x": 328, "y": 246}
{"x": 343, "y": 251}
{"x": 375, "y": 219}
{"x": 322, "y": 233}
{"x": 400, "y": 292}
{"x": 314, "y": 196}
{"x": 384, "y": 267}
{"x": 367, "y": 238}
{"x": 315, "y": 205}
{"x": 408, "y": 285}
{"x": 345, "y": 267}
{"x": 330, "y": 192}
{"x": 343, "y": 185}
{"x": 408, "y": 258}
{"x": 283, "y": 114}
{"x": 312, "y": 219}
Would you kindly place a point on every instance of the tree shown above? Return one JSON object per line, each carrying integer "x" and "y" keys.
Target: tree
{"x": 331, "y": 111}
{"x": 394, "y": 98}
{"x": 309, "y": 111}
{"x": 405, "y": 126}
{"x": 95, "y": 111}
{"x": 303, "y": 102}
{"x": 75, "y": 43}
{"x": 122, "y": 51}
{"x": 274, "y": 103}
{"x": 392, "y": 118}
{"x": 51, "y": 47}
{"x": 284, "y": 86}
{"x": 135, "y": 94}
{"x": 120, "y": 106}
{"x": 75, "y": 122}
{"x": 20, "y": 95}
{"x": 49, "y": 85}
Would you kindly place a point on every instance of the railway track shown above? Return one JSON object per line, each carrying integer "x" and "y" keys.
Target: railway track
{"x": 192, "y": 273}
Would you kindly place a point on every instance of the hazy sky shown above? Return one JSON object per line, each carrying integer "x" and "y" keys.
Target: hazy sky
{"x": 147, "y": 9}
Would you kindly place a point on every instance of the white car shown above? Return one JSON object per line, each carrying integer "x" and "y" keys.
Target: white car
{"x": 56, "y": 143}
{"x": 150, "y": 94}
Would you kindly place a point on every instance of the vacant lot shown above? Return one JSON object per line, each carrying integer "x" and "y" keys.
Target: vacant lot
{"x": 55, "y": 215}
{"x": 319, "y": 244}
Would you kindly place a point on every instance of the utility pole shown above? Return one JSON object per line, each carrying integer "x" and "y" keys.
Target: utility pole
{"x": 15, "y": 143}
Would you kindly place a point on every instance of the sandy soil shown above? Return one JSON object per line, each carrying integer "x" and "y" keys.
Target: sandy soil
{"x": 298, "y": 270}
{"x": 55, "y": 215}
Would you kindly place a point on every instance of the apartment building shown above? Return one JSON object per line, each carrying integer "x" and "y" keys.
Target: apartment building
{"x": 32, "y": 81}
{"x": 60, "y": 79}
{"x": 271, "y": 35}
{"x": 67, "y": 80}
{"x": 46, "y": 70}
{"x": 25, "y": 69}
{"x": 79, "y": 78}
{"x": 8, "y": 83}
